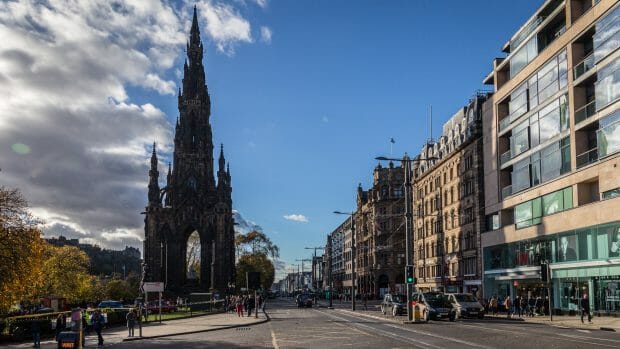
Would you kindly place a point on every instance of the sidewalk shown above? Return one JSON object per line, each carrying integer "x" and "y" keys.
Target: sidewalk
{"x": 195, "y": 324}
{"x": 192, "y": 325}
{"x": 607, "y": 323}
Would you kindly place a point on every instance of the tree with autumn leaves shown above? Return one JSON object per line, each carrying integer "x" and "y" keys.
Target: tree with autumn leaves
{"x": 31, "y": 268}
{"x": 255, "y": 252}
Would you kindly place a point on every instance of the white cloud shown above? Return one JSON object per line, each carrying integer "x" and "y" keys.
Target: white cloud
{"x": 224, "y": 25}
{"x": 265, "y": 34}
{"x": 296, "y": 217}
{"x": 261, "y": 3}
{"x": 72, "y": 138}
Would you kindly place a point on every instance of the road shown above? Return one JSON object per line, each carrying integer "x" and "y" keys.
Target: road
{"x": 291, "y": 327}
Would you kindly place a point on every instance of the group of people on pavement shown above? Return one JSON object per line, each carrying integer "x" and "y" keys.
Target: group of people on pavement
{"x": 530, "y": 307}
{"x": 244, "y": 303}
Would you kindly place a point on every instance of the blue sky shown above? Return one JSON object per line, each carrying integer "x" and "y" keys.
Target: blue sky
{"x": 303, "y": 118}
{"x": 302, "y": 112}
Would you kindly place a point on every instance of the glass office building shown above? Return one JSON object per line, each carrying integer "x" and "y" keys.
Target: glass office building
{"x": 552, "y": 159}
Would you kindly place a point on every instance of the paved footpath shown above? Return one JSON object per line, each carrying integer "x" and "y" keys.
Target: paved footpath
{"x": 198, "y": 324}
{"x": 608, "y": 323}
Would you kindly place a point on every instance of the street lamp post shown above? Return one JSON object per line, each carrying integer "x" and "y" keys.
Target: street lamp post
{"x": 406, "y": 161}
{"x": 353, "y": 256}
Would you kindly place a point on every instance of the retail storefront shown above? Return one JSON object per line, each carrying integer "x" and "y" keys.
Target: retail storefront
{"x": 583, "y": 261}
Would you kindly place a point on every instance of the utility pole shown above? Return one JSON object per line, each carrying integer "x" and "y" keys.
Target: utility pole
{"x": 302, "y": 266}
{"x": 313, "y": 262}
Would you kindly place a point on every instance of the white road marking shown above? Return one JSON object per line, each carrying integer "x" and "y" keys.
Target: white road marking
{"x": 387, "y": 333}
{"x": 274, "y": 341}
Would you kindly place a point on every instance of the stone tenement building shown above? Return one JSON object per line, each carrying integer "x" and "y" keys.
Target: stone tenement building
{"x": 448, "y": 205}
{"x": 380, "y": 233}
{"x": 191, "y": 201}
{"x": 552, "y": 174}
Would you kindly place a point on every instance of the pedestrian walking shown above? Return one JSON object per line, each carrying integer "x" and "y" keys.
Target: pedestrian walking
{"x": 60, "y": 325}
{"x": 517, "y": 305}
{"x": 98, "y": 322}
{"x": 493, "y": 305}
{"x": 36, "y": 332}
{"x": 239, "y": 306}
{"x": 365, "y": 301}
{"x": 523, "y": 306}
{"x": 508, "y": 306}
{"x": 585, "y": 308}
{"x": 131, "y": 322}
{"x": 250, "y": 305}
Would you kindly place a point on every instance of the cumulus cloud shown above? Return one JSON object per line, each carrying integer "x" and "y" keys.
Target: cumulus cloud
{"x": 72, "y": 138}
{"x": 265, "y": 34}
{"x": 296, "y": 217}
{"x": 225, "y": 25}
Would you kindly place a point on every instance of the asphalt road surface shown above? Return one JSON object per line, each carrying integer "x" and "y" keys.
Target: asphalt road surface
{"x": 291, "y": 327}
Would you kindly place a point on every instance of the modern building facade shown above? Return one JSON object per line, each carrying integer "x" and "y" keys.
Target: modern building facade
{"x": 334, "y": 252}
{"x": 192, "y": 201}
{"x": 380, "y": 233}
{"x": 448, "y": 205}
{"x": 552, "y": 161}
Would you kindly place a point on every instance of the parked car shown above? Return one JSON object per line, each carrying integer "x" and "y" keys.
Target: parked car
{"x": 439, "y": 306}
{"x": 394, "y": 304}
{"x": 466, "y": 305}
{"x": 304, "y": 300}
{"x": 110, "y": 304}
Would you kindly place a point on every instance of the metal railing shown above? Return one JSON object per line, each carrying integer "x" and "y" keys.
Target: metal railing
{"x": 584, "y": 66}
{"x": 505, "y": 157}
{"x": 587, "y": 157}
{"x": 504, "y": 123}
{"x": 506, "y": 191}
{"x": 585, "y": 112}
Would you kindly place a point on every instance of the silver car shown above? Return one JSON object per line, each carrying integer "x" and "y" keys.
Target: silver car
{"x": 466, "y": 305}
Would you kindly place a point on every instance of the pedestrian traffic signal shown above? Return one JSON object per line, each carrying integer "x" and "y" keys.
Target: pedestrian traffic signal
{"x": 409, "y": 274}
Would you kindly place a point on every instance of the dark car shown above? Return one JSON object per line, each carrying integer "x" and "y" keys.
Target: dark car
{"x": 304, "y": 300}
{"x": 393, "y": 304}
{"x": 439, "y": 306}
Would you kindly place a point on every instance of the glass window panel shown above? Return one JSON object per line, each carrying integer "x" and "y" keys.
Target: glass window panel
{"x": 567, "y": 248}
{"x": 568, "y": 197}
{"x": 534, "y": 131}
{"x": 565, "y": 159}
{"x": 549, "y": 123}
{"x": 536, "y": 210}
{"x": 610, "y": 194}
{"x": 520, "y": 142}
{"x": 608, "y": 138}
{"x": 551, "y": 163}
{"x": 533, "y": 91}
{"x": 536, "y": 179}
{"x": 518, "y": 61}
{"x": 564, "y": 112}
{"x": 523, "y": 214}
{"x": 553, "y": 202}
{"x": 606, "y": 39}
{"x": 614, "y": 240}
{"x": 607, "y": 90}
{"x": 521, "y": 178}
{"x": 584, "y": 245}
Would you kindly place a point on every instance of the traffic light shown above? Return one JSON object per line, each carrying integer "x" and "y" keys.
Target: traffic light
{"x": 544, "y": 272}
{"x": 409, "y": 274}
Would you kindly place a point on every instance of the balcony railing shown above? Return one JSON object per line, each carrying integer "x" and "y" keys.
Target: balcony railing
{"x": 506, "y": 191}
{"x": 526, "y": 32}
{"x": 505, "y": 157}
{"x": 585, "y": 112}
{"x": 587, "y": 157}
{"x": 584, "y": 66}
{"x": 503, "y": 123}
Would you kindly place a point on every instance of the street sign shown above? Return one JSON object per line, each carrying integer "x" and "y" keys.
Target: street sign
{"x": 153, "y": 287}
